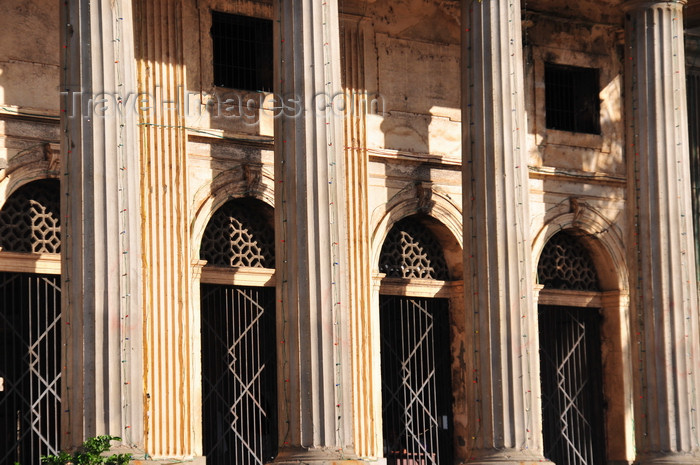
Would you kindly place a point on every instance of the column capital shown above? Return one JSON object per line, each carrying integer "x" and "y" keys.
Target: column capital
{"x": 630, "y": 5}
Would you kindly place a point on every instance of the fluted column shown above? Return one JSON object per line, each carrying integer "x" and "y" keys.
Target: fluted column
{"x": 503, "y": 396}
{"x": 169, "y": 382}
{"x": 666, "y": 315}
{"x": 100, "y": 254}
{"x": 365, "y": 358}
{"x": 316, "y": 393}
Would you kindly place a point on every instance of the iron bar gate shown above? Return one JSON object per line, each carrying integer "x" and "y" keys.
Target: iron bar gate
{"x": 572, "y": 388}
{"x": 416, "y": 387}
{"x": 30, "y": 365}
{"x": 239, "y": 387}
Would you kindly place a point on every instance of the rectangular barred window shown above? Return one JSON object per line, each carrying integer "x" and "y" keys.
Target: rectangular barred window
{"x": 242, "y": 52}
{"x": 572, "y": 101}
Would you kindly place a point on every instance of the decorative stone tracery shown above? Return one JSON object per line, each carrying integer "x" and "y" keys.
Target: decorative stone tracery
{"x": 234, "y": 237}
{"x": 566, "y": 264}
{"x": 30, "y": 220}
{"x": 412, "y": 251}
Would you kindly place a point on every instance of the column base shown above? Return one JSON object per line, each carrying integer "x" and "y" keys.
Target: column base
{"x": 303, "y": 456}
{"x": 507, "y": 457}
{"x": 667, "y": 458}
{"x": 196, "y": 460}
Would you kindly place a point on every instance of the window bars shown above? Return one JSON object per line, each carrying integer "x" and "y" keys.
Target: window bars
{"x": 572, "y": 101}
{"x": 239, "y": 387}
{"x": 572, "y": 399}
{"x": 30, "y": 364}
{"x": 416, "y": 386}
{"x": 242, "y": 52}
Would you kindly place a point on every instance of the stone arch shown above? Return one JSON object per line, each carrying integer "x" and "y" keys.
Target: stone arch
{"x": 439, "y": 213}
{"x": 250, "y": 180}
{"x": 443, "y": 217}
{"x": 13, "y": 179}
{"x": 601, "y": 237}
{"x": 30, "y": 218}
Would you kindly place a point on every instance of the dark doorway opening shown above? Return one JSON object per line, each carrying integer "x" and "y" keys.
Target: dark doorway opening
{"x": 572, "y": 385}
{"x": 239, "y": 381}
{"x": 30, "y": 367}
{"x": 416, "y": 380}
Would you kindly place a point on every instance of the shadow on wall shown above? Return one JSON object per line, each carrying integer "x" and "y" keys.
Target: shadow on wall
{"x": 418, "y": 76}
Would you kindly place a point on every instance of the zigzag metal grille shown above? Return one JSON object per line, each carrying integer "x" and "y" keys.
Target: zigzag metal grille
{"x": 416, "y": 388}
{"x": 411, "y": 251}
{"x": 571, "y": 385}
{"x": 30, "y": 219}
{"x": 240, "y": 234}
{"x": 30, "y": 364}
{"x": 238, "y": 375}
{"x": 566, "y": 264}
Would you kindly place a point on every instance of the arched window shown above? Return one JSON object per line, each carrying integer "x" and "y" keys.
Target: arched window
{"x": 239, "y": 389}
{"x": 415, "y": 347}
{"x": 570, "y": 356}
{"x": 30, "y": 323}
{"x": 240, "y": 234}
{"x": 412, "y": 251}
{"x": 566, "y": 264}
{"x": 30, "y": 220}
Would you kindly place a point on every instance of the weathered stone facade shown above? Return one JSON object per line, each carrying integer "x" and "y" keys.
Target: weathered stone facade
{"x": 433, "y": 111}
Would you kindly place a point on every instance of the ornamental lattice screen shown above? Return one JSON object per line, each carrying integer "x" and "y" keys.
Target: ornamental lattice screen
{"x": 30, "y": 220}
{"x": 412, "y": 251}
{"x": 565, "y": 264}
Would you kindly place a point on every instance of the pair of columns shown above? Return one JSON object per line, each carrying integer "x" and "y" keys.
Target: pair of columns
{"x": 105, "y": 179}
{"x": 507, "y": 426}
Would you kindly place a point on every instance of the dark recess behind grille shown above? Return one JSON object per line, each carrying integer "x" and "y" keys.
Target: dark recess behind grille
{"x": 242, "y": 52}
{"x": 572, "y": 101}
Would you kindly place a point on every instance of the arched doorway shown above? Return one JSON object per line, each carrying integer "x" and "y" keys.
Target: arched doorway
{"x": 30, "y": 323}
{"x": 414, "y": 304}
{"x": 239, "y": 383}
{"x": 570, "y": 356}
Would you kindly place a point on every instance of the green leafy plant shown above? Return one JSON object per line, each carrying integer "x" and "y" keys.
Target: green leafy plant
{"x": 90, "y": 453}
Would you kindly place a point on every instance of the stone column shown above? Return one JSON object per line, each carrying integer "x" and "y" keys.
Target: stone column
{"x": 503, "y": 397}
{"x": 103, "y": 362}
{"x": 316, "y": 393}
{"x": 665, "y": 317}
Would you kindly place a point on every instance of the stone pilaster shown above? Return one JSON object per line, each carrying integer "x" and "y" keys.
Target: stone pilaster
{"x": 367, "y": 395}
{"x": 504, "y": 395}
{"x": 169, "y": 381}
{"x": 665, "y": 308}
{"x": 103, "y": 362}
{"x": 316, "y": 394}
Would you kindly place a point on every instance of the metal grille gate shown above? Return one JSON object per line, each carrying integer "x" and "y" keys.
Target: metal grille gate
{"x": 572, "y": 400}
{"x": 30, "y": 365}
{"x": 239, "y": 387}
{"x": 416, "y": 387}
